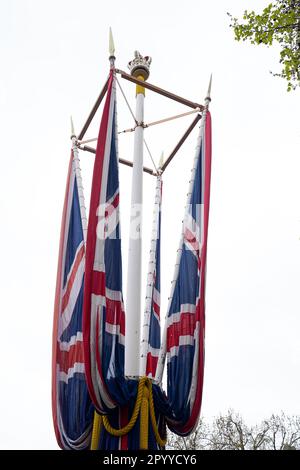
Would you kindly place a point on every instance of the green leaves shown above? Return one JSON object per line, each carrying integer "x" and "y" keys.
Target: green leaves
{"x": 279, "y": 22}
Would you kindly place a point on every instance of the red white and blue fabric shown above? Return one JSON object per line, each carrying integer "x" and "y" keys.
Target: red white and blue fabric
{"x": 186, "y": 314}
{"x": 71, "y": 404}
{"x": 154, "y": 328}
{"x": 104, "y": 318}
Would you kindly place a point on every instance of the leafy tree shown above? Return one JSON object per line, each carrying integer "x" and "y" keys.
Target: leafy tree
{"x": 278, "y": 22}
{"x": 230, "y": 432}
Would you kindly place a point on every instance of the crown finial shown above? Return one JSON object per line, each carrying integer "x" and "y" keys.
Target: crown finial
{"x": 140, "y": 66}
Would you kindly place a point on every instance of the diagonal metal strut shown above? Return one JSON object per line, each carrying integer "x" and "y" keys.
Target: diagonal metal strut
{"x": 181, "y": 141}
{"x": 86, "y": 148}
{"x": 160, "y": 91}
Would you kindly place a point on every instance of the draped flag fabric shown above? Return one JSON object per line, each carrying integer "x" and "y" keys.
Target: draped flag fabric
{"x": 153, "y": 340}
{"x": 104, "y": 318}
{"x": 71, "y": 404}
{"x": 186, "y": 313}
{"x": 89, "y": 317}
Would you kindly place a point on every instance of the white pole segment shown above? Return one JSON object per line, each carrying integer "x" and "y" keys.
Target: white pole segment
{"x": 163, "y": 349}
{"x": 150, "y": 279}
{"x": 139, "y": 67}
{"x": 133, "y": 299}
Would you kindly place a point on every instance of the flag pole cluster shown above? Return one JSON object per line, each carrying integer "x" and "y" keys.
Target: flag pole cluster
{"x": 89, "y": 332}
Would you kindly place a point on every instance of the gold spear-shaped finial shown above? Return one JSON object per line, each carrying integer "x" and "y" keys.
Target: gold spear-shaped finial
{"x": 111, "y": 47}
{"x": 208, "y": 98}
{"x": 72, "y": 128}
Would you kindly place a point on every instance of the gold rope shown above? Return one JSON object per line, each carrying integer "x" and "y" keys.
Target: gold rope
{"x": 161, "y": 442}
{"x": 144, "y": 419}
{"x": 129, "y": 426}
{"x": 144, "y": 403}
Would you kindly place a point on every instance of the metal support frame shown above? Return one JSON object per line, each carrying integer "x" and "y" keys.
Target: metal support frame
{"x": 181, "y": 141}
{"x": 93, "y": 111}
{"x": 196, "y": 106}
{"x": 145, "y": 126}
{"x": 160, "y": 91}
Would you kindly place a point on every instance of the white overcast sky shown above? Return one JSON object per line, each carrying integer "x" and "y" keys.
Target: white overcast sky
{"x": 53, "y": 64}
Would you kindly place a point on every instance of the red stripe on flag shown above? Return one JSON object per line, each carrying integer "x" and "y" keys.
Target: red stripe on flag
{"x": 112, "y": 206}
{"x": 184, "y": 327}
{"x": 115, "y": 315}
{"x": 191, "y": 239}
{"x": 71, "y": 279}
{"x": 98, "y": 352}
{"x": 57, "y": 305}
{"x": 67, "y": 359}
{"x": 98, "y": 286}
{"x": 151, "y": 364}
{"x": 124, "y": 421}
{"x": 115, "y": 202}
{"x": 156, "y": 308}
{"x": 92, "y": 282}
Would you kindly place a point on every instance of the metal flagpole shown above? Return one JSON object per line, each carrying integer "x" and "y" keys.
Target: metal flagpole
{"x": 163, "y": 349}
{"x": 97, "y": 421}
{"x": 139, "y": 68}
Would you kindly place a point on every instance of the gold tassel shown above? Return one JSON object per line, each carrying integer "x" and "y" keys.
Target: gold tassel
{"x": 144, "y": 420}
{"x": 97, "y": 424}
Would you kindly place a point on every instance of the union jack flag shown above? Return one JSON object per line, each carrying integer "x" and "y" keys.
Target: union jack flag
{"x": 104, "y": 318}
{"x": 186, "y": 312}
{"x": 72, "y": 407}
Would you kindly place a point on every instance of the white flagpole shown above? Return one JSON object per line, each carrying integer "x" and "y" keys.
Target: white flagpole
{"x": 76, "y": 166}
{"x": 150, "y": 279}
{"x": 139, "y": 68}
{"x": 163, "y": 349}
